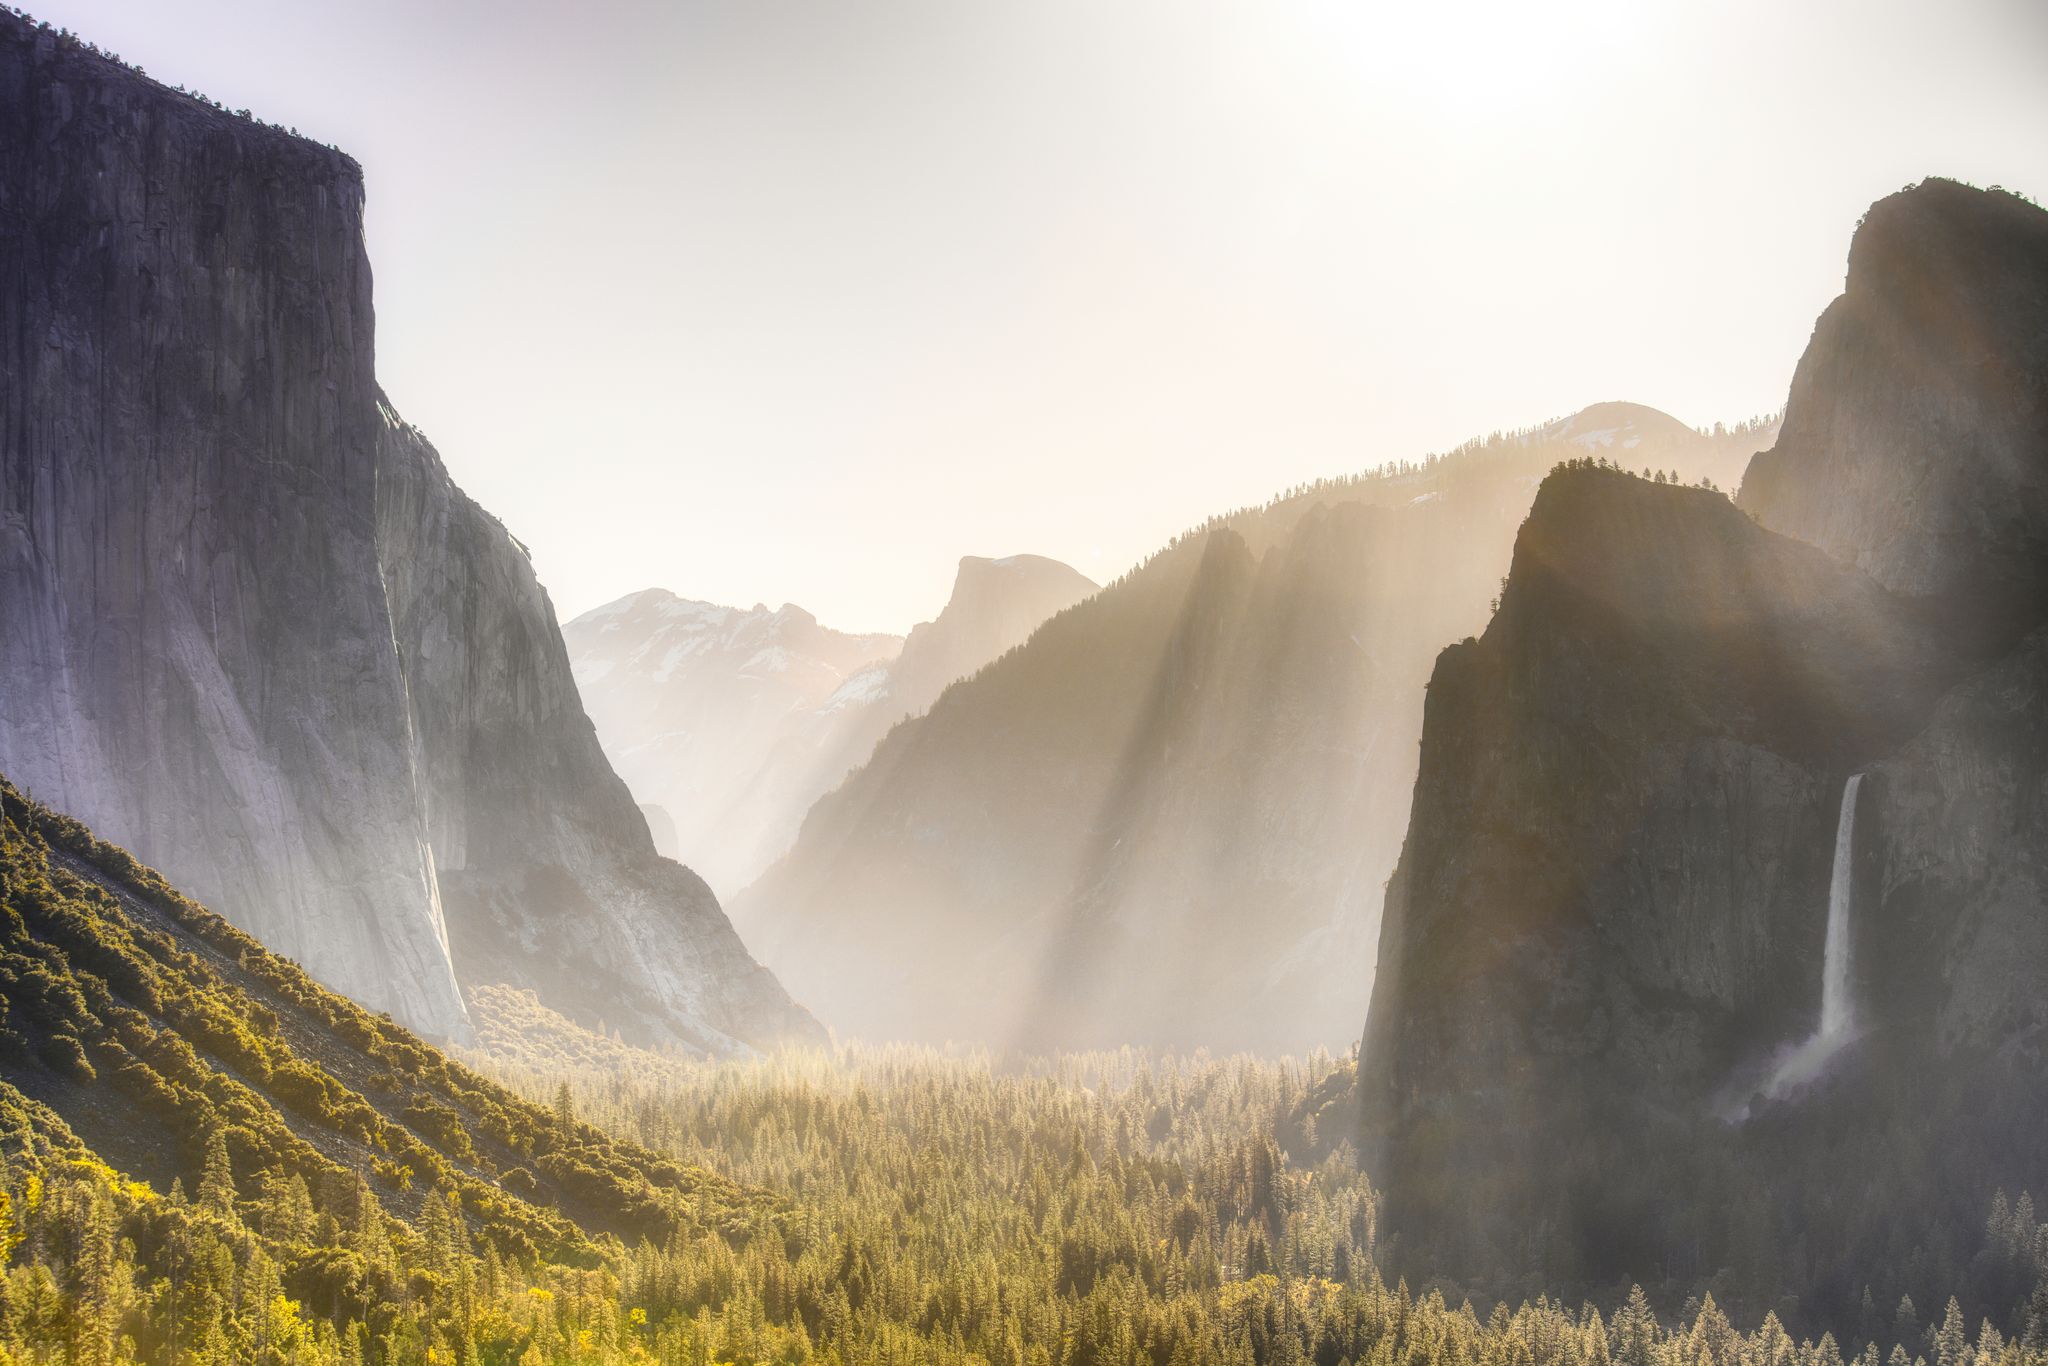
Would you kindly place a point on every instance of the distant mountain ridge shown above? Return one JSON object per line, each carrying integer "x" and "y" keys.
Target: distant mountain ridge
{"x": 734, "y": 722}
{"x": 1166, "y": 816}
{"x": 703, "y": 707}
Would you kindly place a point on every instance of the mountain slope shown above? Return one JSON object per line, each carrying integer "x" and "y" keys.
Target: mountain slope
{"x": 1608, "y": 951}
{"x": 248, "y": 625}
{"x": 548, "y": 874}
{"x": 710, "y": 712}
{"x": 140, "y": 1026}
{"x": 736, "y": 722}
{"x": 994, "y": 607}
{"x": 1167, "y": 815}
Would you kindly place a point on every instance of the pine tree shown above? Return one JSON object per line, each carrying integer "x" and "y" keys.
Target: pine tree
{"x": 1952, "y": 1339}
{"x": 287, "y": 1210}
{"x": 1636, "y": 1327}
{"x": 92, "y": 1291}
{"x": 217, "y": 1177}
{"x": 1998, "y": 1230}
{"x": 2034, "y": 1333}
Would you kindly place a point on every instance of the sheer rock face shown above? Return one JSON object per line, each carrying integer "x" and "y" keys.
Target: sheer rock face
{"x": 1626, "y": 809}
{"x": 1609, "y": 915}
{"x": 1915, "y": 441}
{"x": 190, "y": 443}
{"x": 249, "y": 628}
{"x": 548, "y": 872}
{"x": 1958, "y": 840}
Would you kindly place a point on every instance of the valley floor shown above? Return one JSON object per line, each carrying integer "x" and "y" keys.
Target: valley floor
{"x": 1085, "y": 1210}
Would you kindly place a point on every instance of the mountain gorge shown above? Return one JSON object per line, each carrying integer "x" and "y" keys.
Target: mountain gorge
{"x": 734, "y": 722}
{"x": 250, "y": 628}
{"x": 1605, "y": 951}
{"x": 1170, "y": 813}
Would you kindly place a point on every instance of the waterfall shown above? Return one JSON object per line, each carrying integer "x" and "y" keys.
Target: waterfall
{"x": 1837, "y": 1011}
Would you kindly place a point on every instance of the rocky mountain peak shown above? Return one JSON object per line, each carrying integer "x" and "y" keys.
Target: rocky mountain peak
{"x": 1616, "y": 427}
{"x": 994, "y": 606}
{"x": 735, "y": 721}
{"x": 1915, "y": 441}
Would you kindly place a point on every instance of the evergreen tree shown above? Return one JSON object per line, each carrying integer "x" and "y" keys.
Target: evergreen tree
{"x": 1952, "y": 1339}
{"x": 217, "y": 1176}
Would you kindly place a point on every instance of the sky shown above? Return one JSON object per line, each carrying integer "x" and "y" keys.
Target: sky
{"x": 802, "y": 300}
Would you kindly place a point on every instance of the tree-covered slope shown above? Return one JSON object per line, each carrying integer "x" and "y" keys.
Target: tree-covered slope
{"x": 141, "y": 1033}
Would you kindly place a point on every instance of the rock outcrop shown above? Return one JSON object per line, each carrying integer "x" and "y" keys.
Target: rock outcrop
{"x": 1611, "y": 899}
{"x": 737, "y": 721}
{"x": 1958, "y": 869}
{"x": 1606, "y": 932}
{"x": 1168, "y": 818}
{"x": 1915, "y": 443}
{"x": 250, "y": 629}
{"x": 994, "y": 607}
{"x": 549, "y": 876}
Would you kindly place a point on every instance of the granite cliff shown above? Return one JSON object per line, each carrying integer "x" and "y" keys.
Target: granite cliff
{"x": 549, "y": 875}
{"x": 1914, "y": 433}
{"x": 994, "y": 607}
{"x": 1605, "y": 948}
{"x": 250, "y": 629}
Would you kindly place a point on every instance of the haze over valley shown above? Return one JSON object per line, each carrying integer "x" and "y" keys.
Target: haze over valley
{"x": 1573, "y": 897}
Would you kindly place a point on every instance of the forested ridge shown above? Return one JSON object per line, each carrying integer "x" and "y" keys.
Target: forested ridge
{"x": 210, "y": 1157}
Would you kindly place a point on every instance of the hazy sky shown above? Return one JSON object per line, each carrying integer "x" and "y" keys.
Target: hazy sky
{"x": 801, "y": 300}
